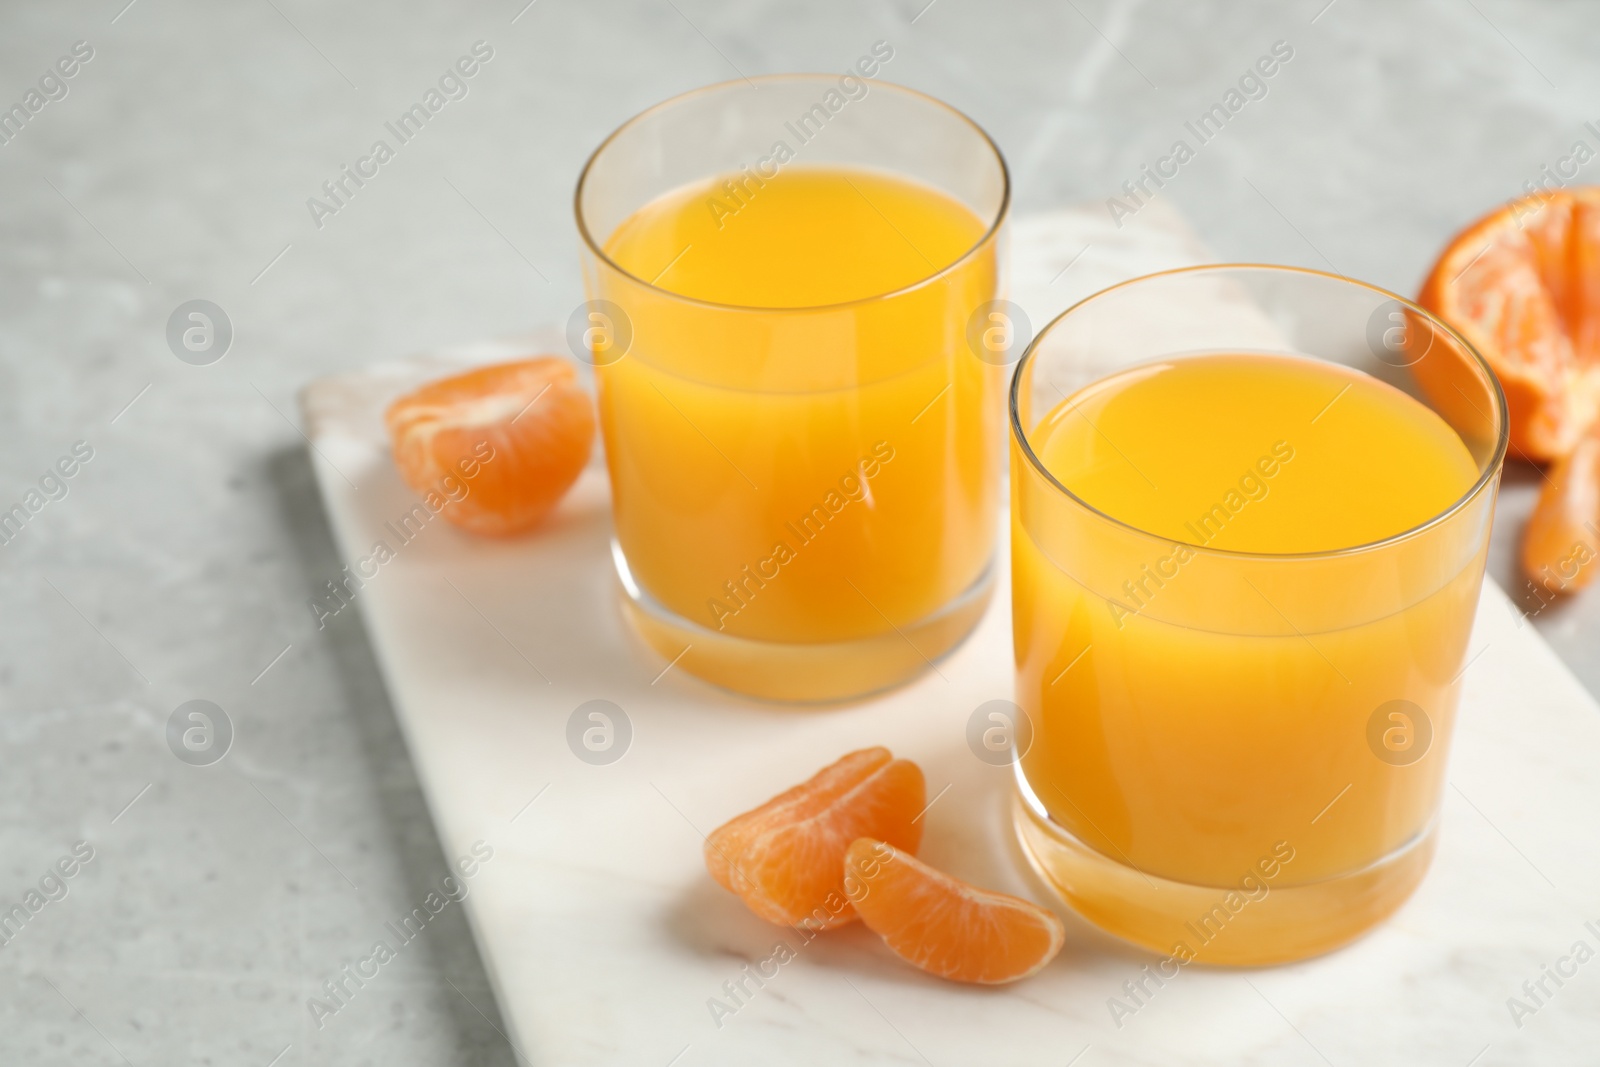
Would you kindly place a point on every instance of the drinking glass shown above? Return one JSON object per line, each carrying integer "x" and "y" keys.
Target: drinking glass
{"x": 804, "y": 497}
{"x": 1248, "y": 769}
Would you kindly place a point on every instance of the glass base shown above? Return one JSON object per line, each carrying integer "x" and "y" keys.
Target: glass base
{"x": 811, "y": 673}
{"x": 1287, "y": 923}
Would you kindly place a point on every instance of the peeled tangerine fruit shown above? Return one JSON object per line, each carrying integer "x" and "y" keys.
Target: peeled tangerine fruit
{"x": 785, "y": 859}
{"x": 1522, "y": 285}
{"x": 1562, "y": 538}
{"x": 495, "y": 449}
{"x": 945, "y": 926}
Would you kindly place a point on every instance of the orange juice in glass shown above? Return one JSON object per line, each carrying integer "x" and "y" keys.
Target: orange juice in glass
{"x": 1250, "y": 511}
{"x": 802, "y": 445}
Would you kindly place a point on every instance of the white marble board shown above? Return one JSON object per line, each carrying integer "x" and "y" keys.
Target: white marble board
{"x": 605, "y": 939}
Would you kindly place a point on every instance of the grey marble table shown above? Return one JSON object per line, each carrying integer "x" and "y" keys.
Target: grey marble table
{"x": 176, "y": 163}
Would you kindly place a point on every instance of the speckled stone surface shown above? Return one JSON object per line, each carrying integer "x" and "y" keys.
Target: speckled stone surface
{"x": 179, "y": 562}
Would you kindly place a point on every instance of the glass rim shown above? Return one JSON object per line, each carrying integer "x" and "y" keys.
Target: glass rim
{"x": 1486, "y": 476}
{"x": 988, "y": 236}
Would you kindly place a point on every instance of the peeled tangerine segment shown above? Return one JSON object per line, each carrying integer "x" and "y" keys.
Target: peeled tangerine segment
{"x": 945, "y": 926}
{"x": 1561, "y": 543}
{"x": 495, "y": 449}
{"x": 785, "y": 859}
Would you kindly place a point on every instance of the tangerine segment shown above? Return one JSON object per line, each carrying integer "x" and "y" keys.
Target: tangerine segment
{"x": 785, "y": 859}
{"x": 1522, "y": 285}
{"x": 493, "y": 450}
{"x": 1561, "y": 542}
{"x": 945, "y": 926}
{"x": 792, "y": 805}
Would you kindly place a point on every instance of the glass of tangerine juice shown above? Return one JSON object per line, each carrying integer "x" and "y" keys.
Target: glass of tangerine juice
{"x": 1250, "y": 509}
{"x": 802, "y": 444}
